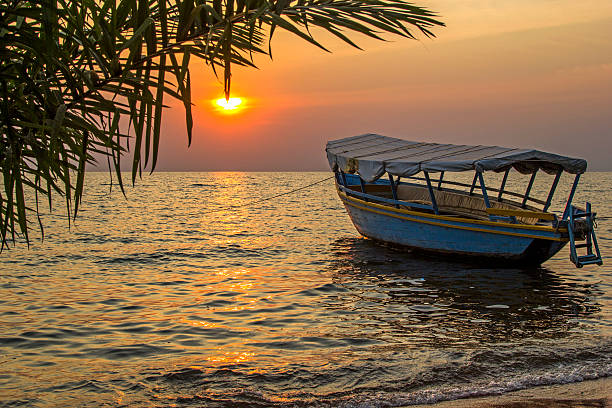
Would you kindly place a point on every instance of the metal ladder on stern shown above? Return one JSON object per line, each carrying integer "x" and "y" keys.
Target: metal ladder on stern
{"x": 581, "y": 226}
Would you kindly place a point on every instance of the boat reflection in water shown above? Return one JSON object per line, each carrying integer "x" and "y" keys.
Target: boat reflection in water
{"x": 412, "y": 300}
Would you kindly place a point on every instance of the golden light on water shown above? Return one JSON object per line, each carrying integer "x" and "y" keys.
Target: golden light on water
{"x": 231, "y": 357}
{"x": 230, "y": 106}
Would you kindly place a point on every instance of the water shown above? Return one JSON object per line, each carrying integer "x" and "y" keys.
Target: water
{"x": 153, "y": 302}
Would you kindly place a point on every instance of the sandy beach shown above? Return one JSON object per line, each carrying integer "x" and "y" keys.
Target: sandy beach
{"x": 586, "y": 394}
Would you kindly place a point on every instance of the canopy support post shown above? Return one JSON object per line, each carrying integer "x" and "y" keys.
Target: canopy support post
{"x": 344, "y": 183}
{"x": 440, "y": 181}
{"x": 363, "y": 187}
{"x": 552, "y": 190}
{"x": 484, "y": 189}
{"x": 571, "y": 197}
{"x": 394, "y": 188}
{"x": 503, "y": 184}
{"x": 473, "y": 183}
{"x": 337, "y": 174}
{"x": 434, "y": 204}
{"x": 526, "y": 197}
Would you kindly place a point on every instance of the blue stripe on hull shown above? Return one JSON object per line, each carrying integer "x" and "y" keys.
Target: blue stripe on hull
{"x": 433, "y": 237}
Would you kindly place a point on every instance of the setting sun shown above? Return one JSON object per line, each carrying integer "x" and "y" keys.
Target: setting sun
{"x": 231, "y": 104}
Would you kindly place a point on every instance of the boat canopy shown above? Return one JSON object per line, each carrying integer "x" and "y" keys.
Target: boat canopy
{"x": 371, "y": 156}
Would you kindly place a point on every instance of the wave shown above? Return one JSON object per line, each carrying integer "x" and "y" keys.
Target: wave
{"x": 377, "y": 384}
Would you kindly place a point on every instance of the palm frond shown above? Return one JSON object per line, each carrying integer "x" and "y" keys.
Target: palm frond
{"x": 80, "y": 80}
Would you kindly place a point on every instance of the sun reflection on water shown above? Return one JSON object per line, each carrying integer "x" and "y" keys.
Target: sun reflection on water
{"x": 231, "y": 357}
{"x": 232, "y": 273}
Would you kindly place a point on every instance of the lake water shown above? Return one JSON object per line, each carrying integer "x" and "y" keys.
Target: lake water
{"x": 152, "y": 301}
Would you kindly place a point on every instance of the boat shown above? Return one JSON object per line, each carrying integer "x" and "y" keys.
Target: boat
{"x": 399, "y": 192}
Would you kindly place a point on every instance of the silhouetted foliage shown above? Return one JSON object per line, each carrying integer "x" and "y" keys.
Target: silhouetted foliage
{"x": 86, "y": 79}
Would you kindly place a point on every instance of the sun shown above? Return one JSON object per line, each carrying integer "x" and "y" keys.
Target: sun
{"x": 232, "y": 104}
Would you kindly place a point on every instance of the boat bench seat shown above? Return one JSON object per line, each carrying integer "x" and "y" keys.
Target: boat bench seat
{"x": 458, "y": 203}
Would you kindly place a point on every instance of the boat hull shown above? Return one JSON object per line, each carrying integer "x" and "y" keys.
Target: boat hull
{"x": 513, "y": 243}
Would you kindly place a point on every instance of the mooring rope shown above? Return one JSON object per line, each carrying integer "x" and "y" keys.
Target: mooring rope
{"x": 261, "y": 200}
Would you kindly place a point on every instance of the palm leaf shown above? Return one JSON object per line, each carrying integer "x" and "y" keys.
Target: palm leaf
{"x": 83, "y": 80}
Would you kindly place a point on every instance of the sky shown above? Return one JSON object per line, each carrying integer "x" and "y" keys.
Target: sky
{"x": 508, "y": 73}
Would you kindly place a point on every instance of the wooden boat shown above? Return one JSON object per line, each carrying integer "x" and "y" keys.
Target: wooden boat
{"x": 413, "y": 209}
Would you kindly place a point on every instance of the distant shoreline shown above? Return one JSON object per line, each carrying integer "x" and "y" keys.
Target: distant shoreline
{"x": 98, "y": 170}
{"x": 585, "y": 394}
{"x": 127, "y": 171}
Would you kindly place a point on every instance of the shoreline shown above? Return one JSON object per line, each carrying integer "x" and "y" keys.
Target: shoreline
{"x": 584, "y": 394}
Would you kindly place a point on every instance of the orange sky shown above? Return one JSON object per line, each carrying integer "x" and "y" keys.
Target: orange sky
{"x": 503, "y": 72}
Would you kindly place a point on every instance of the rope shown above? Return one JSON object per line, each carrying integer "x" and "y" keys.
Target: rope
{"x": 261, "y": 200}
